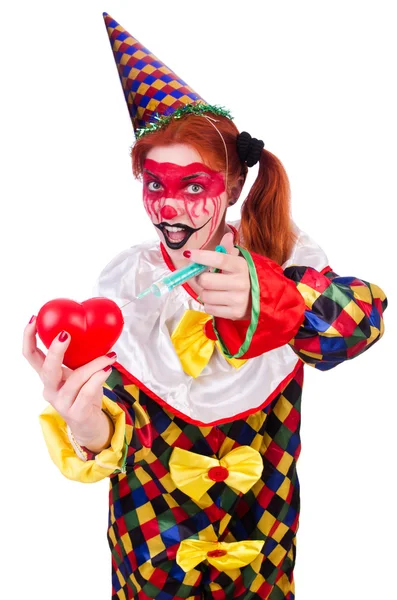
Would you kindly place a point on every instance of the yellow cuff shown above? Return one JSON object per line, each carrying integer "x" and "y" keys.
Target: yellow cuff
{"x": 64, "y": 456}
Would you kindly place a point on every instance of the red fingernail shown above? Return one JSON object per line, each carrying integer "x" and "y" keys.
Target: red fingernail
{"x": 187, "y": 253}
{"x": 32, "y": 319}
{"x": 111, "y": 354}
{"x": 107, "y": 368}
{"x": 63, "y": 336}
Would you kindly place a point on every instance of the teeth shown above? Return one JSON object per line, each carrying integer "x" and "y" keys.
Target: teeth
{"x": 168, "y": 228}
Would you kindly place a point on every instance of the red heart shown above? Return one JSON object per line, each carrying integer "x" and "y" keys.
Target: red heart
{"x": 94, "y": 325}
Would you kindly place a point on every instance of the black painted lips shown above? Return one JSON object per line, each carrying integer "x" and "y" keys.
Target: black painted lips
{"x": 189, "y": 232}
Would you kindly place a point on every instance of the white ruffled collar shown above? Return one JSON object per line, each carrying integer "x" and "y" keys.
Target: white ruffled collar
{"x": 147, "y": 355}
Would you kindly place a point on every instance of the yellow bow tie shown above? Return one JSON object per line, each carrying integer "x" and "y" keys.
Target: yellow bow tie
{"x": 195, "y": 474}
{"x": 221, "y": 555}
{"x": 192, "y": 345}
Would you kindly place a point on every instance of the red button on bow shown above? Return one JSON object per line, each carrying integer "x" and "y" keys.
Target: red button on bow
{"x": 216, "y": 553}
{"x": 218, "y": 473}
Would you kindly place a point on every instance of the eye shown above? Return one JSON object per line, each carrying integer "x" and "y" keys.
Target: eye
{"x": 154, "y": 186}
{"x": 194, "y": 188}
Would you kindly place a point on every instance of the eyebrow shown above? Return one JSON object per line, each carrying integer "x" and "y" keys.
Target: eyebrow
{"x": 152, "y": 174}
{"x": 194, "y": 175}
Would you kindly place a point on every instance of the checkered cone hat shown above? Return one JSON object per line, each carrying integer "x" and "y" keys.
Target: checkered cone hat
{"x": 154, "y": 94}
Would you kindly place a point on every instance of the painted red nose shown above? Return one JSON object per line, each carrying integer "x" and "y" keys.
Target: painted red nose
{"x": 168, "y": 212}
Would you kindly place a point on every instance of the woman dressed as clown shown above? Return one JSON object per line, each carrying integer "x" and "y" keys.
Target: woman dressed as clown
{"x": 196, "y": 419}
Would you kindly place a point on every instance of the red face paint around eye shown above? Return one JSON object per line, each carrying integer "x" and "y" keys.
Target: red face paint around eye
{"x": 183, "y": 202}
{"x": 176, "y": 179}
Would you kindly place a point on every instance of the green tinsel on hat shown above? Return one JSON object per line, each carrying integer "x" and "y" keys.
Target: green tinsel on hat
{"x": 161, "y": 121}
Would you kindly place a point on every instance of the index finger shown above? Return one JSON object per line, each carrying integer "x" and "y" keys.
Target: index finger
{"x": 225, "y": 262}
{"x": 30, "y": 351}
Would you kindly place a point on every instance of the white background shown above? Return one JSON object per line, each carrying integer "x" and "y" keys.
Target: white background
{"x": 316, "y": 81}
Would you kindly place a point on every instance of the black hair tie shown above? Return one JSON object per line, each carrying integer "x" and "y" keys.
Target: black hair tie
{"x": 249, "y": 149}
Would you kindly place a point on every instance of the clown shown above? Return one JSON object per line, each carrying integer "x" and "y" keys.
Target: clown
{"x": 203, "y": 401}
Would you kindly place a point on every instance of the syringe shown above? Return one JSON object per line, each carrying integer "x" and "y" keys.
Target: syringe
{"x": 169, "y": 282}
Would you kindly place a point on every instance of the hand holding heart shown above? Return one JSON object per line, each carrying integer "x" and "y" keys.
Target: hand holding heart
{"x": 226, "y": 294}
{"x": 93, "y": 327}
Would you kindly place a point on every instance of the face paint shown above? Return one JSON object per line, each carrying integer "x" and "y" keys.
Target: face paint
{"x": 184, "y": 201}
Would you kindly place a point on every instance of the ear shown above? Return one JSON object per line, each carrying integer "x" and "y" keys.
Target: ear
{"x": 236, "y": 190}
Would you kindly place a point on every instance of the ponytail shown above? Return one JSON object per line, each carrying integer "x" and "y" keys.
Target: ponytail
{"x": 266, "y": 226}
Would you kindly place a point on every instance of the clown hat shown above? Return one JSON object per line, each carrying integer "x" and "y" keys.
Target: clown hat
{"x": 154, "y": 94}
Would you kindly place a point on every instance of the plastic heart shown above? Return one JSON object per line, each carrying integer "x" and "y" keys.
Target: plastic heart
{"x": 94, "y": 325}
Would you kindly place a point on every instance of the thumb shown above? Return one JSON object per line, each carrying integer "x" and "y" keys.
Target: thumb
{"x": 228, "y": 243}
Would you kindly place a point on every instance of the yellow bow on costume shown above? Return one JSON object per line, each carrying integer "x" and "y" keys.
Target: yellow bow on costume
{"x": 193, "y": 347}
{"x": 221, "y": 555}
{"x": 194, "y": 474}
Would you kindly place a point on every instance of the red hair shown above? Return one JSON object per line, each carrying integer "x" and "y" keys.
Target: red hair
{"x": 266, "y": 226}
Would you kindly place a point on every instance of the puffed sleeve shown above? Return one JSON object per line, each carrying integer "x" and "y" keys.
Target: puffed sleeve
{"x": 75, "y": 462}
{"x": 343, "y": 316}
